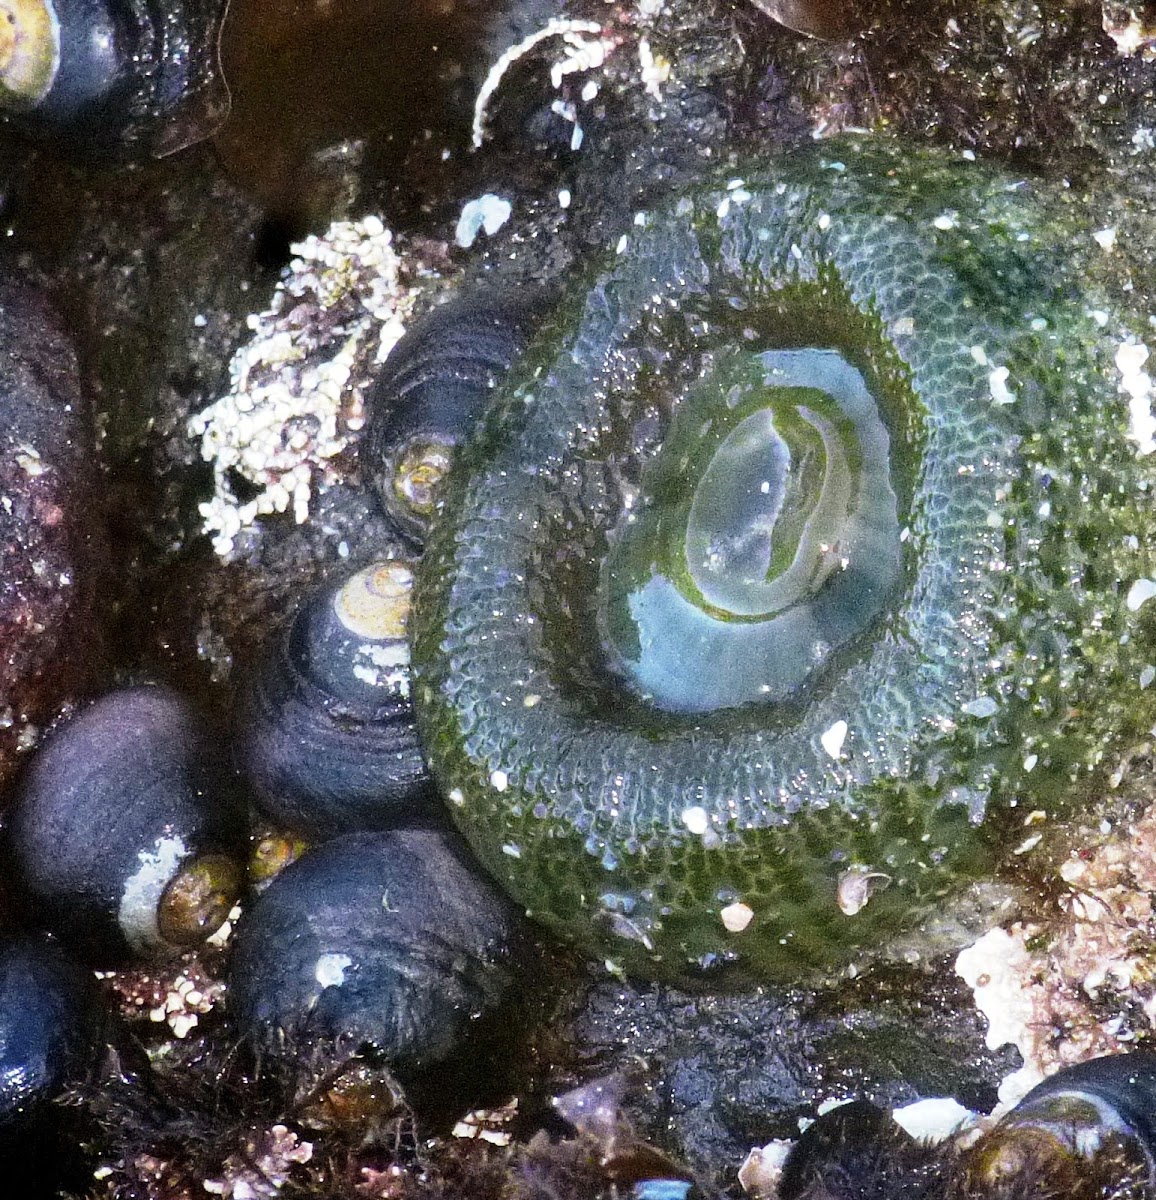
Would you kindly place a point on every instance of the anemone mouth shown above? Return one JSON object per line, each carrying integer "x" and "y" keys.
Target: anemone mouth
{"x": 745, "y": 508}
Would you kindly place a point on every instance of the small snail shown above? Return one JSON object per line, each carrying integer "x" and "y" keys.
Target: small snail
{"x": 122, "y": 77}
{"x": 51, "y": 1020}
{"x": 432, "y": 392}
{"x": 122, "y": 831}
{"x": 381, "y": 942}
{"x": 326, "y": 733}
{"x": 1088, "y": 1130}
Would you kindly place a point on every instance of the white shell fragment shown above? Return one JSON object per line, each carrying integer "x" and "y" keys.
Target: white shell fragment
{"x": 487, "y": 214}
{"x": 856, "y": 887}
{"x": 736, "y": 917}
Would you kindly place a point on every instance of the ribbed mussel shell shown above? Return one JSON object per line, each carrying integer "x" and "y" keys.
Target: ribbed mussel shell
{"x": 326, "y": 735}
{"x": 123, "y": 829}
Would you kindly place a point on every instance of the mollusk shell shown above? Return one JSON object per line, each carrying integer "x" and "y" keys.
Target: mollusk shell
{"x": 433, "y": 390}
{"x": 384, "y": 942}
{"x": 1093, "y": 1120}
{"x": 113, "y": 76}
{"x": 326, "y": 734}
{"x": 122, "y": 830}
{"x": 998, "y": 665}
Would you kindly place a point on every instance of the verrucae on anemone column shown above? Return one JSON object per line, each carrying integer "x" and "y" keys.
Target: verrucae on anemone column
{"x": 801, "y": 542}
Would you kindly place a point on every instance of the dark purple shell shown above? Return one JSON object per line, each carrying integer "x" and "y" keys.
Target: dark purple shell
{"x": 325, "y": 733}
{"x": 432, "y": 392}
{"x": 387, "y": 942}
{"x": 125, "y": 797}
{"x": 130, "y": 78}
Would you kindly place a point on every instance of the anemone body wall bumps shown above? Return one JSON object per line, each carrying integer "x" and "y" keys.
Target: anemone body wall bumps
{"x": 796, "y": 549}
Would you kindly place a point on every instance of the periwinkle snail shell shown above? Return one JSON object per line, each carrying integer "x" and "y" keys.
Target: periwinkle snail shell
{"x": 325, "y": 732}
{"x": 126, "y": 78}
{"x": 1093, "y": 1121}
{"x": 433, "y": 390}
{"x": 960, "y": 652}
{"x": 387, "y": 942}
{"x": 124, "y": 828}
{"x": 51, "y": 1020}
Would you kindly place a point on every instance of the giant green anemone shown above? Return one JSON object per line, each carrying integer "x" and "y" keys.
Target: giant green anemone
{"x": 797, "y": 551}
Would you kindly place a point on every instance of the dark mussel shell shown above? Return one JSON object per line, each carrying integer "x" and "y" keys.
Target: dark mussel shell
{"x": 123, "y": 829}
{"x": 381, "y": 942}
{"x": 123, "y": 77}
{"x": 326, "y": 734}
{"x": 1088, "y": 1131}
{"x": 433, "y": 390}
{"x": 52, "y": 1020}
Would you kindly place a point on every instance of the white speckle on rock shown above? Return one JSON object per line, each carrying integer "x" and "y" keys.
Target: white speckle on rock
{"x": 981, "y": 706}
{"x": 1147, "y": 675}
{"x": 1140, "y": 593}
{"x": 946, "y": 220}
{"x": 511, "y": 850}
{"x": 499, "y": 781}
{"x": 832, "y": 739}
{"x": 487, "y": 214}
{"x": 330, "y": 969}
{"x": 1105, "y": 238}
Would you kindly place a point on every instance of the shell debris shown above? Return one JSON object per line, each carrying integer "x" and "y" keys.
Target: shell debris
{"x": 294, "y": 401}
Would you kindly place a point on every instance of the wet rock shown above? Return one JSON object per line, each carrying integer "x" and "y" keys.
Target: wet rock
{"x": 52, "y": 543}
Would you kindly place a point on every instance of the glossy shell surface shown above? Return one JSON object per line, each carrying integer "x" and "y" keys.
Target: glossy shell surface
{"x": 126, "y": 803}
{"x": 326, "y": 732}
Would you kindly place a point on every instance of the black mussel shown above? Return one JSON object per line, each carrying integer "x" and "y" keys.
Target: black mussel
{"x": 383, "y": 943}
{"x": 326, "y": 734}
{"x": 52, "y": 1020}
{"x": 132, "y": 78}
{"x": 123, "y": 828}
{"x": 1088, "y": 1131}
{"x": 432, "y": 392}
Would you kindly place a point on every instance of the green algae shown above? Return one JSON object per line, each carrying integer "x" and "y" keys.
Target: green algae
{"x": 1002, "y": 673}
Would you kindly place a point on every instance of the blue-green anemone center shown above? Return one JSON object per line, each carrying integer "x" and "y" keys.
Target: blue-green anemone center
{"x": 765, "y": 537}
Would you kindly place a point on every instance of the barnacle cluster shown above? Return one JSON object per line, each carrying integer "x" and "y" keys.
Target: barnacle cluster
{"x": 295, "y": 401}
